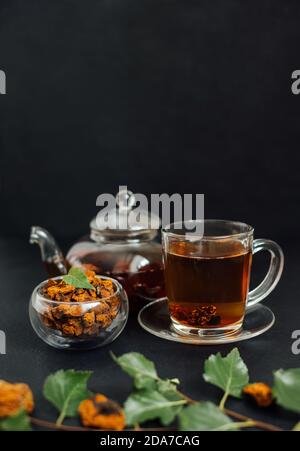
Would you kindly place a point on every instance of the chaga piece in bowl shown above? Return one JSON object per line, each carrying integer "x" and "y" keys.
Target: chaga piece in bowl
{"x": 79, "y": 311}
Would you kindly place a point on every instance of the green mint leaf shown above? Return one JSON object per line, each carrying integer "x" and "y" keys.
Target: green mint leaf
{"x": 65, "y": 390}
{"x": 149, "y": 405}
{"x": 228, "y": 373}
{"x": 205, "y": 416}
{"x": 78, "y": 279}
{"x": 141, "y": 369}
{"x": 18, "y": 422}
{"x": 286, "y": 389}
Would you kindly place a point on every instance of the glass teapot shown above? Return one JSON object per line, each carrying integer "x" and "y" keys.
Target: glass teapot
{"x": 131, "y": 255}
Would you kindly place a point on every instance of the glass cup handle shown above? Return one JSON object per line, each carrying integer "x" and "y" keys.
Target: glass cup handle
{"x": 275, "y": 270}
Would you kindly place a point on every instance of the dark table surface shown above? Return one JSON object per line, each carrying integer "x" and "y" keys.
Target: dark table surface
{"x": 29, "y": 360}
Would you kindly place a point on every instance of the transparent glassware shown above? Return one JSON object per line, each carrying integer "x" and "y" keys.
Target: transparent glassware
{"x": 135, "y": 263}
{"x": 207, "y": 275}
{"x": 131, "y": 255}
{"x": 57, "y": 333}
{"x": 155, "y": 319}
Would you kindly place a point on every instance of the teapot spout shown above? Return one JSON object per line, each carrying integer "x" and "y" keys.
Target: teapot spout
{"x": 51, "y": 254}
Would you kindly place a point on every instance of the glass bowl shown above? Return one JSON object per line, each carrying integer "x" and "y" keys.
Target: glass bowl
{"x": 79, "y": 325}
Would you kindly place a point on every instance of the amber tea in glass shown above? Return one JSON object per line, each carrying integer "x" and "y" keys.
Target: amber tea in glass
{"x": 207, "y": 278}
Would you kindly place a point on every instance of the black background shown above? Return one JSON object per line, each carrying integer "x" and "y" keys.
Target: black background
{"x": 161, "y": 96}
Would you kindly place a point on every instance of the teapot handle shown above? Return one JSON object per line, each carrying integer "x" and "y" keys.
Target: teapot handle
{"x": 51, "y": 254}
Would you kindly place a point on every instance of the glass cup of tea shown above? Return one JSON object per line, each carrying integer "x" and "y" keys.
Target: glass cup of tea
{"x": 207, "y": 272}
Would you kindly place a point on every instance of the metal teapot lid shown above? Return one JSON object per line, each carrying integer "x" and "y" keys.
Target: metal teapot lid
{"x": 119, "y": 220}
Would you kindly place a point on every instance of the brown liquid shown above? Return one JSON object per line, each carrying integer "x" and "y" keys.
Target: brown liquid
{"x": 207, "y": 286}
{"x": 143, "y": 283}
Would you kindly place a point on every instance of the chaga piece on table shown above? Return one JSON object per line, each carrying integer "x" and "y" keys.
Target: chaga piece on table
{"x": 101, "y": 413}
{"x": 14, "y": 397}
{"x": 259, "y": 392}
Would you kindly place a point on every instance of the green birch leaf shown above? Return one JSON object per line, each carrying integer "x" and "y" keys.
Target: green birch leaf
{"x": 296, "y": 428}
{"x": 167, "y": 386}
{"x": 286, "y": 389}
{"x": 147, "y": 405}
{"x": 140, "y": 368}
{"x": 205, "y": 416}
{"x": 228, "y": 373}
{"x": 65, "y": 390}
{"x": 18, "y": 422}
{"x": 144, "y": 382}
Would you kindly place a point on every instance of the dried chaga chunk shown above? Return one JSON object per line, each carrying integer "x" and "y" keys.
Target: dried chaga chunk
{"x": 72, "y": 327}
{"x": 14, "y": 397}
{"x": 88, "y": 319}
{"x": 101, "y": 413}
{"x": 199, "y": 316}
{"x": 103, "y": 320}
{"x": 261, "y": 393}
{"x": 65, "y": 311}
{"x": 73, "y": 320}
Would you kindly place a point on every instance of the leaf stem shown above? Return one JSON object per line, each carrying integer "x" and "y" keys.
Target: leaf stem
{"x": 236, "y": 425}
{"x": 63, "y": 427}
{"x": 223, "y": 401}
{"x": 61, "y": 418}
{"x": 238, "y": 416}
{"x": 258, "y": 424}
